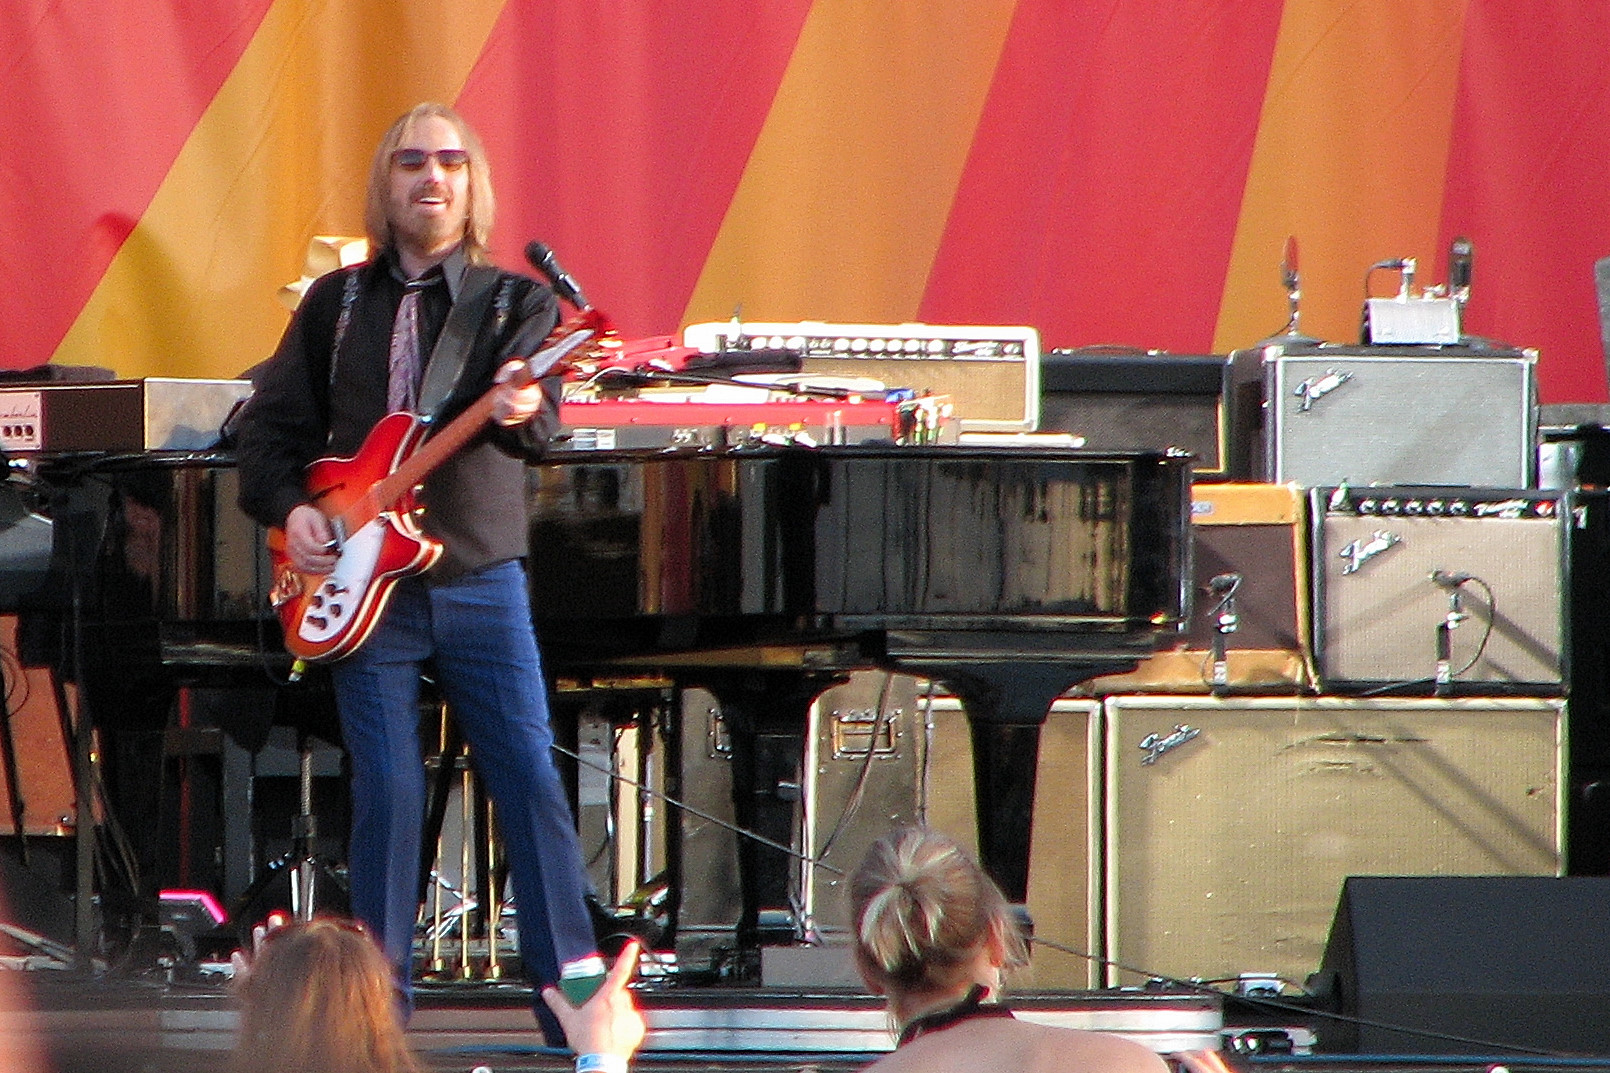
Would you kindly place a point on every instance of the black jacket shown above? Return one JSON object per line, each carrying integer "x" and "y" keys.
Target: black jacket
{"x": 300, "y": 411}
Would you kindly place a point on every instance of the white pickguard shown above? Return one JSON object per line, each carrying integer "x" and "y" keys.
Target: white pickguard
{"x": 342, "y": 591}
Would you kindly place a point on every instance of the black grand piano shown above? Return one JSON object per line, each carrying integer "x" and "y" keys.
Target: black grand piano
{"x": 762, "y": 574}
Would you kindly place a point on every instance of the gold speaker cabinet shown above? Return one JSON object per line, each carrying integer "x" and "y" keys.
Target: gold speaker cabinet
{"x": 1232, "y": 823}
{"x": 1063, "y": 858}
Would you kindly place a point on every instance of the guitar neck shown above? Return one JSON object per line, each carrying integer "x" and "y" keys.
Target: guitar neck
{"x": 433, "y": 452}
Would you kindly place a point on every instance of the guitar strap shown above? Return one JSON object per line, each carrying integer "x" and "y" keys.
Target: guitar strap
{"x": 458, "y": 334}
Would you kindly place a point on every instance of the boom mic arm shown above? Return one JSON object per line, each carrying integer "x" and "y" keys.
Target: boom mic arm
{"x": 564, "y": 284}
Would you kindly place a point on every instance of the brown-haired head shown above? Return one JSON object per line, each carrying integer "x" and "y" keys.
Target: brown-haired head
{"x": 320, "y": 998}
{"x": 482, "y": 207}
{"x": 923, "y": 908}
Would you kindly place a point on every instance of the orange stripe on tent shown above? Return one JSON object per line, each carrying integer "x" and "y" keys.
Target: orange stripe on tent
{"x": 1351, "y": 152}
{"x": 280, "y": 155}
{"x": 844, "y": 200}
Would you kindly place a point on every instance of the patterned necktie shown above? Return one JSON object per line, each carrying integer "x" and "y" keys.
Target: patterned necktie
{"x": 402, "y": 384}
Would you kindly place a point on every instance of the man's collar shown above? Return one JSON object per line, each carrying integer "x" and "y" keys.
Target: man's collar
{"x": 452, "y": 267}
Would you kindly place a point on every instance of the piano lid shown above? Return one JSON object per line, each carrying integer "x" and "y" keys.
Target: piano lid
{"x": 775, "y": 544}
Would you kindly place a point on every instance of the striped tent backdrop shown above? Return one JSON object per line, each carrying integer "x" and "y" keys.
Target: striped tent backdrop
{"x": 1108, "y": 171}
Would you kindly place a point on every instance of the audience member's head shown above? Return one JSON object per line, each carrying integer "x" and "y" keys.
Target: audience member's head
{"x": 924, "y": 911}
{"x": 320, "y": 998}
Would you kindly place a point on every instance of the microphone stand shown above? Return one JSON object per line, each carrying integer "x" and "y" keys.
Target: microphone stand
{"x": 1225, "y": 622}
{"x": 1450, "y": 622}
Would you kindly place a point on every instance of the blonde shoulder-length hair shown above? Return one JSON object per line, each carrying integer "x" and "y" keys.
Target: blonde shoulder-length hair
{"x": 478, "y": 222}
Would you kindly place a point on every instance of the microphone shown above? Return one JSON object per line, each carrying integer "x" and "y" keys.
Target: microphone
{"x": 1224, "y": 583}
{"x": 1450, "y": 581}
{"x": 564, "y": 284}
{"x": 1460, "y": 257}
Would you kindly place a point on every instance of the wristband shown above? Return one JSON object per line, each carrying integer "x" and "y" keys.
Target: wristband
{"x": 600, "y": 1063}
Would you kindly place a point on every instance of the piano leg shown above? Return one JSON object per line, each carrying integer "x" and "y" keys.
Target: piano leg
{"x": 767, "y": 715}
{"x": 1006, "y": 706}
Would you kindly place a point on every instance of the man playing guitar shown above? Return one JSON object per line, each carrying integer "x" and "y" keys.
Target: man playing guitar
{"x": 427, "y": 325}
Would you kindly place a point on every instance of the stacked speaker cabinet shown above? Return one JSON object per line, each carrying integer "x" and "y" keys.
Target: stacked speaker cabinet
{"x": 1251, "y": 583}
{"x": 1230, "y": 824}
{"x": 1430, "y": 588}
{"x": 1120, "y": 400}
{"x": 1399, "y": 415}
{"x": 1064, "y": 855}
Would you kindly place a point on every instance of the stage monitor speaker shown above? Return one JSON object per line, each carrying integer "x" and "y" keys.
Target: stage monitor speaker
{"x": 1251, "y": 544}
{"x": 1063, "y": 859}
{"x": 1391, "y": 565}
{"x": 1400, "y": 415}
{"x": 1469, "y": 965}
{"x": 1121, "y": 400}
{"x": 1231, "y": 823}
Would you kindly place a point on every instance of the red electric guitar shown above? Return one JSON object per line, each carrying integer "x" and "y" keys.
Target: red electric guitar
{"x": 371, "y": 502}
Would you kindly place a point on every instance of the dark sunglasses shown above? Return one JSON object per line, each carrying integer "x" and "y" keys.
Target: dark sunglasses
{"x": 416, "y": 159}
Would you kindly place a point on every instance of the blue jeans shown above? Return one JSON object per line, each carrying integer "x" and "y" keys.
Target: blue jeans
{"x": 478, "y": 631}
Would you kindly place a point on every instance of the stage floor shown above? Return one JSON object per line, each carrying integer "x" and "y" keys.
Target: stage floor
{"x": 143, "y": 1026}
{"x": 120, "y": 1025}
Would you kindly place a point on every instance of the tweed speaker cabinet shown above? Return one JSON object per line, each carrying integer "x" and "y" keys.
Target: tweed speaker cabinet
{"x": 1400, "y": 415}
{"x": 1390, "y": 563}
{"x": 1251, "y": 563}
{"x": 1063, "y": 859}
{"x": 1232, "y": 823}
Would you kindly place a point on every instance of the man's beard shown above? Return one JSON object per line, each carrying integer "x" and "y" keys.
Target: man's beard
{"x": 429, "y": 233}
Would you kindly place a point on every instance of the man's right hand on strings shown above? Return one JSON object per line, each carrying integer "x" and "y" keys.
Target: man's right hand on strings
{"x": 310, "y": 540}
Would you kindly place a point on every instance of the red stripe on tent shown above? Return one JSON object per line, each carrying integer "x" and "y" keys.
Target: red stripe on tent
{"x": 1135, "y": 123}
{"x": 1527, "y": 182}
{"x": 625, "y": 155}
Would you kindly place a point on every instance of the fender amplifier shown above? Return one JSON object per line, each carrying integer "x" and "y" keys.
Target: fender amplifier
{"x": 1440, "y": 588}
{"x": 1251, "y": 574}
{"x": 1400, "y": 415}
{"x": 1231, "y": 823}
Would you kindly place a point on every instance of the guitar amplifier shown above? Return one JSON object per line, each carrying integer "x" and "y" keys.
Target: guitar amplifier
{"x": 1395, "y": 567}
{"x": 1251, "y": 563}
{"x": 1400, "y": 415}
{"x": 154, "y": 414}
{"x": 1120, "y": 401}
{"x": 991, "y": 373}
